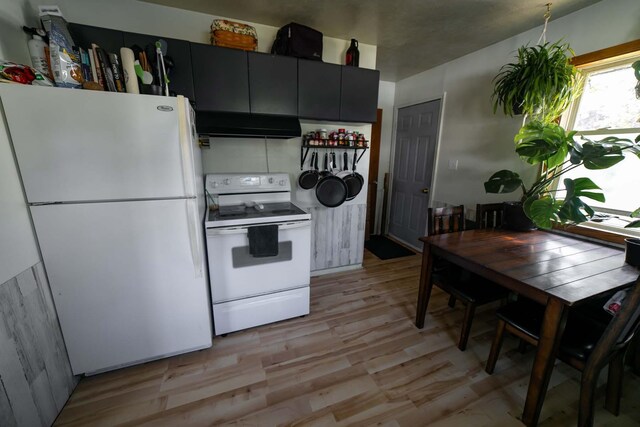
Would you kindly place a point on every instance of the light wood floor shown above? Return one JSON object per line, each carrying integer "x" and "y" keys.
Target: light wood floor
{"x": 357, "y": 359}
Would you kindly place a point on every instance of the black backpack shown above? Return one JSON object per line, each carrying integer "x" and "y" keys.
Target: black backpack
{"x": 299, "y": 41}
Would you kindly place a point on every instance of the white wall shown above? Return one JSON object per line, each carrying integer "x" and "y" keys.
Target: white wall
{"x": 481, "y": 141}
{"x": 18, "y": 250}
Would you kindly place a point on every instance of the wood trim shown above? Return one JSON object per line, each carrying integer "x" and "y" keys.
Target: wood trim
{"x": 582, "y": 61}
{"x": 607, "y": 53}
{"x": 372, "y": 178}
{"x": 605, "y": 236}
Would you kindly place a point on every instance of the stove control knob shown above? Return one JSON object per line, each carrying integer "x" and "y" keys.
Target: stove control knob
{"x": 270, "y": 180}
{"x": 281, "y": 183}
{"x": 227, "y": 181}
{"x": 214, "y": 184}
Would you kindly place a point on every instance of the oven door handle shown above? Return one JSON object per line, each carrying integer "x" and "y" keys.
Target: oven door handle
{"x": 243, "y": 230}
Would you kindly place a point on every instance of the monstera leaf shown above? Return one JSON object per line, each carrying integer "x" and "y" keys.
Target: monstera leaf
{"x": 604, "y": 153}
{"x": 634, "y": 214}
{"x": 546, "y": 210}
{"x": 543, "y": 211}
{"x": 504, "y": 181}
{"x": 537, "y": 142}
{"x": 573, "y": 209}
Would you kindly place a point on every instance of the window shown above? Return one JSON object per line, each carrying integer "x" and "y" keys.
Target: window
{"x": 608, "y": 107}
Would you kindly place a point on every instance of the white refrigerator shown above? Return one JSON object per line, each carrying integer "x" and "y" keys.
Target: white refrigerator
{"x": 115, "y": 187}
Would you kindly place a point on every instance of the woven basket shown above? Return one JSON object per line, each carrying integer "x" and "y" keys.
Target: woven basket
{"x": 234, "y": 35}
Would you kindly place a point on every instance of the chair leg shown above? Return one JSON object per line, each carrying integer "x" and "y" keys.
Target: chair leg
{"x": 452, "y": 301}
{"x": 633, "y": 354}
{"x": 587, "y": 398}
{"x": 496, "y": 345}
{"x": 466, "y": 326}
{"x": 614, "y": 384}
{"x": 522, "y": 346}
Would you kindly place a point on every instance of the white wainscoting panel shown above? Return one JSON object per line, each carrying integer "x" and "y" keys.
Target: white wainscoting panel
{"x": 35, "y": 375}
{"x": 337, "y": 236}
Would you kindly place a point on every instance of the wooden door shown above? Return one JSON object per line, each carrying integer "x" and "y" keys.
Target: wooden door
{"x": 372, "y": 186}
{"x": 416, "y": 138}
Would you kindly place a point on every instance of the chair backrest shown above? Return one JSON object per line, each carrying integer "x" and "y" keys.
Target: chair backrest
{"x": 619, "y": 331}
{"x": 489, "y": 215}
{"x": 446, "y": 220}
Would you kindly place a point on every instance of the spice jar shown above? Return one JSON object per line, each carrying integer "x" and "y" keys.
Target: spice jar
{"x": 341, "y": 137}
{"x": 322, "y": 134}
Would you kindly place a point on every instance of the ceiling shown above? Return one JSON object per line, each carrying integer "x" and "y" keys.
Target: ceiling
{"x": 411, "y": 35}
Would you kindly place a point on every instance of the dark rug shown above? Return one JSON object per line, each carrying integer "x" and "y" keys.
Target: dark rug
{"x": 385, "y": 248}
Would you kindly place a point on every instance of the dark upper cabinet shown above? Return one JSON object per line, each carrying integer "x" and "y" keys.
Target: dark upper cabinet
{"x": 109, "y": 40}
{"x": 318, "y": 90}
{"x": 273, "y": 84}
{"x": 180, "y": 76}
{"x": 220, "y": 78}
{"x": 359, "y": 94}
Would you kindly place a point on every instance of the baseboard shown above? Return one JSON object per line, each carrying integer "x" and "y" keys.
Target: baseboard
{"x": 316, "y": 273}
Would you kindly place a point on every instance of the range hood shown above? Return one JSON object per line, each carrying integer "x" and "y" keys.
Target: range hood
{"x": 247, "y": 125}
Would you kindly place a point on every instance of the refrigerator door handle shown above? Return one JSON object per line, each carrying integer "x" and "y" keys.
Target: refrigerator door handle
{"x": 195, "y": 237}
{"x": 186, "y": 155}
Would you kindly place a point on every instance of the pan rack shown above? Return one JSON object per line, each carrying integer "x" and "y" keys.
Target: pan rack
{"x": 304, "y": 151}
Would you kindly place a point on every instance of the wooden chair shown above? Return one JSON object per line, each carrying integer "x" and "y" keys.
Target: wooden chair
{"x": 588, "y": 345}
{"x": 489, "y": 215}
{"x": 461, "y": 285}
{"x": 446, "y": 220}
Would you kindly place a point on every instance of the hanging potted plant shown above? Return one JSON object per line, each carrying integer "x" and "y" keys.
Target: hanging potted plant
{"x": 540, "y": 84}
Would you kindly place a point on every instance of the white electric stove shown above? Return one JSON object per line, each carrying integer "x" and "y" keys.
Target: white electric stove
{"x": 249, "y": 290}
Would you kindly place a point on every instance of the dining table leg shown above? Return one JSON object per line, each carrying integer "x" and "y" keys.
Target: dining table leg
{"x": 424, "y": 291}
{"x": 553, "y": 324}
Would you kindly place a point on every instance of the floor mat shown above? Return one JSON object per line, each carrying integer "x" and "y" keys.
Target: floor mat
{"x": 385, "y": 248}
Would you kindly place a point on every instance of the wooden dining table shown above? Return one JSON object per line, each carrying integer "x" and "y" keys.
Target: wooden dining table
{"x": 555, "y": 270}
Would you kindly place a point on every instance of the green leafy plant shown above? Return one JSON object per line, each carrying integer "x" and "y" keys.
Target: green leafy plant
{"x": 541, "y": 83}
{"x": 558, "y": 152}
{"x": 635, "y": 223}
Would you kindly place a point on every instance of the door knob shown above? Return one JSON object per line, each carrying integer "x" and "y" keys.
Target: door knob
{"x": 425, "y": 190}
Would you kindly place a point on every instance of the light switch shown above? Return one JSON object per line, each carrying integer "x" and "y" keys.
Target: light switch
{"x": 453, "y": 165}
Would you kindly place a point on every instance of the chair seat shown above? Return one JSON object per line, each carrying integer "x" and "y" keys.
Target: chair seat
{"x": 468, "y": 287}
{"x": 580, "y": 336}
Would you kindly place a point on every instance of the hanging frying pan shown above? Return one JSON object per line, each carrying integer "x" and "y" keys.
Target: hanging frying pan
{"x": 325, "y": 171}
{"x": 354, "y": 181}
{"x": 309, "y": 178}
{"x": 331, "y": 191}
{"x": 345, "y": 166}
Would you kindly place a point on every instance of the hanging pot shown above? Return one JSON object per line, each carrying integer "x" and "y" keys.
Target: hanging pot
{"x": 514, "y": 218}
{"x": 331, "y": 190}
{"x": 354, "y": 181}
{"x": 309, "y": 178}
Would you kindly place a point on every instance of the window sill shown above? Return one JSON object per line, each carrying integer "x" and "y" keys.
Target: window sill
{"x": 610, "y": 230}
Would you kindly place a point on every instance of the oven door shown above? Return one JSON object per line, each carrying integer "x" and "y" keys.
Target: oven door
{"x": 235, "y": 274}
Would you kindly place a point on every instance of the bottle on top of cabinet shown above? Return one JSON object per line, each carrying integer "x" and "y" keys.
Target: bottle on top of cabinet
{"x": 353, "y": 55}
{"x": 37, "y": 51}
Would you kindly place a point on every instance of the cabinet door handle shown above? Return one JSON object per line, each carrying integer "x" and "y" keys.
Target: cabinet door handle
{"x": 425, "y": 190}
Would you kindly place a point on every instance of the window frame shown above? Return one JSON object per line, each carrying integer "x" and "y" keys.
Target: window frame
{"x": 590, "y": 60}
